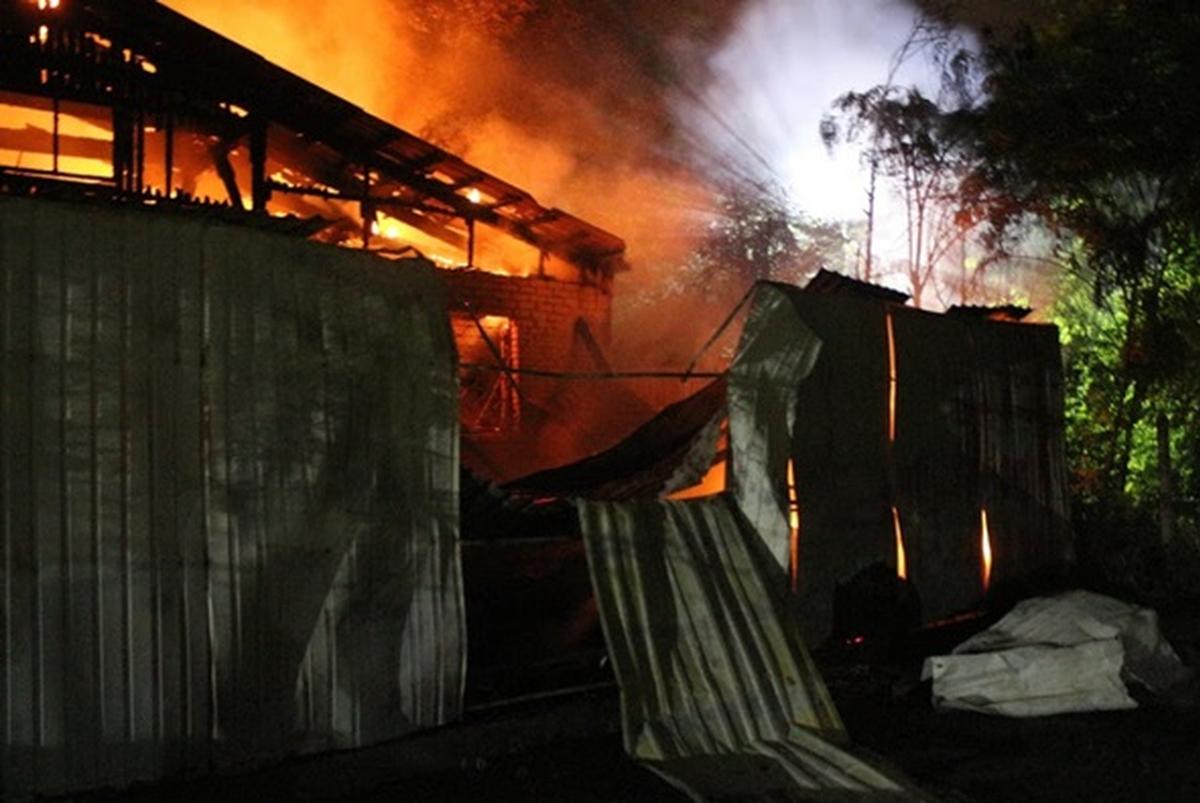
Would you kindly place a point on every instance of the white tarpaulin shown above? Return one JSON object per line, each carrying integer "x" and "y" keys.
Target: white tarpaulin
{"x": 1052, "y": 655}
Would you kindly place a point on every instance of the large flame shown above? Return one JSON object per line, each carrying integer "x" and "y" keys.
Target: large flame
{"x": 986, "y": 549}
{"x": 901, "y": 554}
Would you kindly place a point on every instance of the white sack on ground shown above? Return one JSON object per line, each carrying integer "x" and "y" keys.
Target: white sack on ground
{"x": 1052, "y": 655}
{"x": 718, "y": 693}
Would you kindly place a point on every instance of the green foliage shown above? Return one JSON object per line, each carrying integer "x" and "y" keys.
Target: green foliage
{"x": 1089, "y": 126}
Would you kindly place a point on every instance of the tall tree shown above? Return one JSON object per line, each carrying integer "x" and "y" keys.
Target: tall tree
{"x": 1091, "y": 124}
{"x": 910, "y": 140}
{"x": 757, "y": 234}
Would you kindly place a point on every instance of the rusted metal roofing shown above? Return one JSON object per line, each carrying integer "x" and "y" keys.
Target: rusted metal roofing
{"x": 193, "y": 63}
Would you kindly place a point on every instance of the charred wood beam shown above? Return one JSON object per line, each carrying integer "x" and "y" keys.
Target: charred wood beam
{"x": 122, "y": 147}
{"x": 59, "y": 175}
{"x": 220, "y": 157}
{"x": 470, "y": 243}
{"x": 583, "y": 333}
{"x": 416, "y": 215}
{"x": 260, "y": 187}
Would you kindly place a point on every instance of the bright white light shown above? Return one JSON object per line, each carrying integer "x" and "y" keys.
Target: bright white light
{"x": 778, "y": 74}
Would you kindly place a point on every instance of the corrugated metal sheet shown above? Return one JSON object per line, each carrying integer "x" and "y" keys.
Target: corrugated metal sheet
{"x": 775, "y": 355}
{"x": 228, "y": 483}
{"x": 979, "y": 424}
{"x": 718, "y": 693}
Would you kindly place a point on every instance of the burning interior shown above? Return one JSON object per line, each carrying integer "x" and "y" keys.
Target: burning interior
{"x": 134, "y": 103}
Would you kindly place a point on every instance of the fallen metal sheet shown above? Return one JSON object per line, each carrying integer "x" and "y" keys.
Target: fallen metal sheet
{"x": 228, "y": 498}
{"x": 776, "y": 353}
{"x": 670, "y": 451}
{"x": 1052, "y": 655}
{"x": 718, "y": 693}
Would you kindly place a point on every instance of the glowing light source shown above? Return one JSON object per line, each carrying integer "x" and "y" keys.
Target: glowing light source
{"x": 986, "y": 549}
{"x": 387, "y": 227}
{"x": 901, "y": 555}
{"x": 474, "y": 195}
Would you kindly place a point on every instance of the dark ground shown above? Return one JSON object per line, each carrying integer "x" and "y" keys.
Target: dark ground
{"x": 569, "y": 748}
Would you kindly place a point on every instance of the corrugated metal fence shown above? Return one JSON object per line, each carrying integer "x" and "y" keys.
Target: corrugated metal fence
{"x": 228, "y": 484}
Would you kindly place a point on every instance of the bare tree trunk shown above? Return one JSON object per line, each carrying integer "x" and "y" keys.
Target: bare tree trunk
{"x": 1166, "y": 481}
{"x": 867, "y": 273}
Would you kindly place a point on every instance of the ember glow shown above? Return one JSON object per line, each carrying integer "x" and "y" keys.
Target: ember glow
{"x": 901, "y": 554}
{"x": 793, "y": 524}
{"x": 489, "y": 399}
{"x": 985, "y": 549}
{"x": 714, "y": 480}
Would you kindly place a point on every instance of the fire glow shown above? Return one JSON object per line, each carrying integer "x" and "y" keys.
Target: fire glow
{"x": 901, "y": 555}
{"x": 793, "y": 525}
{"x": 985, "y": 540}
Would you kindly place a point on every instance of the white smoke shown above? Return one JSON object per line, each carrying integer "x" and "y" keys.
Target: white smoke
{"x": 775, "y": 77}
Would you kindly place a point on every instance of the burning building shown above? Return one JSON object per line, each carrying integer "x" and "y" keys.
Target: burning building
{"x": 134, "y": 103}
{"x": 230, "y": 457}
{"x": 230, "y": 451}
{"x": 925, "y": 447}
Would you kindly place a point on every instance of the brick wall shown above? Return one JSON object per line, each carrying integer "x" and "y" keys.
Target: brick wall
{"x": 545, "y": 311}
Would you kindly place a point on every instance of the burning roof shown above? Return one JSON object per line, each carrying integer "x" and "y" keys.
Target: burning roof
{"x": 145, "y": 60}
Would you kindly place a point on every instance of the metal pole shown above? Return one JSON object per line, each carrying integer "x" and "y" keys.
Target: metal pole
{"x": 363, "y": 208}
{"x": 169, "y": 156}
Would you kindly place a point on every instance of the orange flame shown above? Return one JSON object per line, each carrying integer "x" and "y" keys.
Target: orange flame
{"x": 901, "y": 555}
{"x": 713, "y": 482}
{"x": 986, "y": 548}
{"x": 793, "y": 525}
{"x": 891, "y": 342}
